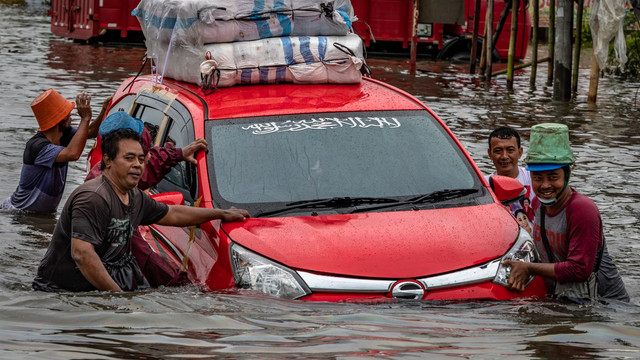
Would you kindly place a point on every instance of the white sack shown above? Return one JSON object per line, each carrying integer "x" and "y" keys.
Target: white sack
{"x": 198, "y": 22}
{"x": 608, "y": 16}
{"x": 301, "y": 60}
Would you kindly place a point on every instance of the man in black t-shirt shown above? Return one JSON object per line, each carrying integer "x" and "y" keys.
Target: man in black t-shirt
{"x": 90, "y": 248}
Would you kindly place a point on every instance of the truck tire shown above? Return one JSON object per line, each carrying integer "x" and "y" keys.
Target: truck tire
{"x": 458, "y": 49}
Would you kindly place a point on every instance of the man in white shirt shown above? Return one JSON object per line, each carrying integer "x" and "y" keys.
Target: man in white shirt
{"x": 505, "y": 151}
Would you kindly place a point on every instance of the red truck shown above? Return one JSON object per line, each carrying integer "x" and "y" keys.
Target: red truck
{"x": 444, "y": 30}
{"x": 90, "y": 20}
{"x": 445, "y": 27}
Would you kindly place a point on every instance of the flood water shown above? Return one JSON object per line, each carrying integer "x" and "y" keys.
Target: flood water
{"x": 187, "y": 323}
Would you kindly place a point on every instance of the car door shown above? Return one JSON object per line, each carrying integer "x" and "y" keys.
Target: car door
{"x": 167, "y": 120}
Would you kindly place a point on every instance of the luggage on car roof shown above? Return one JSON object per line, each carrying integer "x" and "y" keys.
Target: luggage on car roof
{"x": 215, "y": 43}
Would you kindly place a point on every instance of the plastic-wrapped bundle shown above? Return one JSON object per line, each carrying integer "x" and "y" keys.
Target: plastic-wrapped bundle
{"x": 301, "y": 60}
{"x": 197, "y": 22}
{"x": 609, "y": 17}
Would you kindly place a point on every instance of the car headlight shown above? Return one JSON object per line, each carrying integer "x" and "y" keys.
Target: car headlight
{"x": 252, "y": 271}
{"x": 522, "y": 250}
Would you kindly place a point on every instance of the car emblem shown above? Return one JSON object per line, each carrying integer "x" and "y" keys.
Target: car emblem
{"x": 408, "y": 290}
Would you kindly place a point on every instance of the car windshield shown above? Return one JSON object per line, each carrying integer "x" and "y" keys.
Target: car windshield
{"x": 270, "y": 162}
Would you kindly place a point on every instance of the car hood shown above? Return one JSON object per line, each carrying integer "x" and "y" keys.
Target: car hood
{"x": 400, "y": 244}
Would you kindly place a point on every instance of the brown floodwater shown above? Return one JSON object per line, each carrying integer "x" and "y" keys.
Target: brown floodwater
{"x": 187, "y": 323}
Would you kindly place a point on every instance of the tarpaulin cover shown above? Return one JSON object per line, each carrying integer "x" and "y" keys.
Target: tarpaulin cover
{"x": 303, "y": 59}
{"x": 198, "y": 22}
{"x": 606, "y": 22}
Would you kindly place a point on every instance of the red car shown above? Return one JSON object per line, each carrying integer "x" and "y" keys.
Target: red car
{"x": 355, "y": 191}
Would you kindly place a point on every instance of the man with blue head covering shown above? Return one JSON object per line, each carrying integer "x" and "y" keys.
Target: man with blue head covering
{"x": 160, "y": 159}
{"x": 120, "y": 120}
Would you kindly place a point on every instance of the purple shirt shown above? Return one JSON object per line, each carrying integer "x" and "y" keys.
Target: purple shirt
{"x": 575, "y": 236}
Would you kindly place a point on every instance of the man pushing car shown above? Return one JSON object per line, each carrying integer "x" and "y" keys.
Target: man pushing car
{"x": 91, "y": 248}
{"x": 567, "y": 229}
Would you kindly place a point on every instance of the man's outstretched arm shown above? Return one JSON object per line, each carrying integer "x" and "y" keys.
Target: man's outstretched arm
{"x": 179, "y": 215}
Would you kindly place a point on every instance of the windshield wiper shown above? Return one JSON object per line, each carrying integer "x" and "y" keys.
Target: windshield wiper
{"x": 436, "y": 196}
{"x": 335, "y": 202}
{"x": 442, "y": 195}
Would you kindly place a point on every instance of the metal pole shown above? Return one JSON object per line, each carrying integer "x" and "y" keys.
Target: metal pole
{"x": 576, "y": 54}
{"x": 562, "y": 63}
{"x": 512, "y": 42}
{"x": 534, "y": 51}
{"x": 474, "y": 41}
{"x": 414, "y": 37}
{"x": 552, "y": 36}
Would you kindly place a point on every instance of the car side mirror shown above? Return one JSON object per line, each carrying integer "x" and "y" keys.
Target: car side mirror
{"x": 507, "y": 190}
{"x": 169, "y": 198}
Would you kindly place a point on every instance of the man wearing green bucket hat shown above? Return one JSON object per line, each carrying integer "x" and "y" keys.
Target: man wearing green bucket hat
{"x": 567, "y": 229}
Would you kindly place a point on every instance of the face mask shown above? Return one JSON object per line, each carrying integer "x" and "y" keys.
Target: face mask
{"x": 548, "y": 202}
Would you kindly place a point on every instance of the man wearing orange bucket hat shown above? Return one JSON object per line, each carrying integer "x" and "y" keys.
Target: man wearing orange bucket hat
{"x": 48, "y": 153}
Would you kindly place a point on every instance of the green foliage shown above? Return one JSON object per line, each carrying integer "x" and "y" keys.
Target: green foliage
{"x": 587, "y": 40}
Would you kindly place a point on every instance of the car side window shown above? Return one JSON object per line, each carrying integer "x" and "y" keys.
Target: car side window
{"x": 172, "y": 124}
{"x": 152, "y": 119}
{"x": 123, "y": 105}
{"x": 178, "y": 175}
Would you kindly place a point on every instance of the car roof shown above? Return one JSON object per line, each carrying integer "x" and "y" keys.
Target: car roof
{"x": 284, "y": 99}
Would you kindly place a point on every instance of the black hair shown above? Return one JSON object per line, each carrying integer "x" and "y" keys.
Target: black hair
{"x": 112, "y": 139}
{"x": 515, "y": 213}
{"x": 504, "y": 133}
